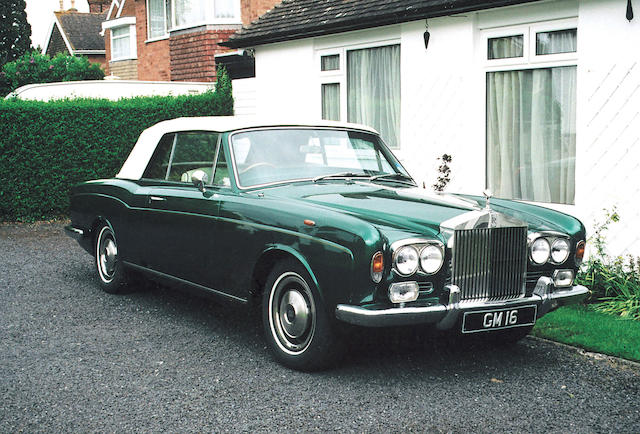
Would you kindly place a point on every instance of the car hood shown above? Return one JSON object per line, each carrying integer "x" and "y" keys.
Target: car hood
{"x": 415, "y": 210}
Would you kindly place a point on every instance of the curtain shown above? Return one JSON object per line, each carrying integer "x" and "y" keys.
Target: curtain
{"x": 225, "y": 8}
{"x": 373, "y": 90}
{"x": 561, "y": 41}
{"x": 331, "y": 102}
{"x": 156, "y": 18}
{"x": 120, "y": 42}
{"x": 330, "y": 63}
{"x": 506, "y": 47}
{"x": 531, "y": 134}
{"x": 189, "y": 12}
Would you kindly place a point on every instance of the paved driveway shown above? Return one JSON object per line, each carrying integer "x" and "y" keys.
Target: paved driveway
{"x": 73, "y": 358}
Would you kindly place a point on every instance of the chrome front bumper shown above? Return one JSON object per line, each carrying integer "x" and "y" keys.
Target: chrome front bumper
{"x": 545, "y": 296}
{"x": 74, "y": 232}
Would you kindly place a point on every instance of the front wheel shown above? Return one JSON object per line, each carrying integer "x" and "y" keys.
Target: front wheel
{"x": 111, "y": 274}
{"x": 295, "y": 320}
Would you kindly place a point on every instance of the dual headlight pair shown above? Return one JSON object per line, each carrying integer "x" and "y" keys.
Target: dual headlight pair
{"x": 413, "y": 256}
{"x": 549, "y": 249}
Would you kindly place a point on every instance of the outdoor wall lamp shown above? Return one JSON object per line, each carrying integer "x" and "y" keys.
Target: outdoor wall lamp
{"x": 629, "y": 10}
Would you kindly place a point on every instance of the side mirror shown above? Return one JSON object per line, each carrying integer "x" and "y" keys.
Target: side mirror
{"x": 199, "y": 178}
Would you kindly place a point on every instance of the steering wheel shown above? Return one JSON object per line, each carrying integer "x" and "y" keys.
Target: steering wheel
{"x": 258, "y": 164}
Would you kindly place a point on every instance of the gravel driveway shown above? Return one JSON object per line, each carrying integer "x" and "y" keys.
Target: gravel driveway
{"x": 73, "y": 358}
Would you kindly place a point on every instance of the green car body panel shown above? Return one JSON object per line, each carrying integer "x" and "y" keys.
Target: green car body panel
{"x": 221, "y": 240}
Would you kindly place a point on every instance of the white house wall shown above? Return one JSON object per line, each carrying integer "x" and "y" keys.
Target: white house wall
{"x": 443, "y": 99}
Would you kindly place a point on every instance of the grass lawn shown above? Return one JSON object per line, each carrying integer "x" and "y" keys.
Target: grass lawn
{"x": 580, "y": 326}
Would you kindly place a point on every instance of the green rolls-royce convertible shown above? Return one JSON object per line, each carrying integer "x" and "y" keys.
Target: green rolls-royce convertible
{"x": 321, "y": 224}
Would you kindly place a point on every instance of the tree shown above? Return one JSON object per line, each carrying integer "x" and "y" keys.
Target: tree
{"x": 35, "y": 67}
{"x": 15, "y": 31}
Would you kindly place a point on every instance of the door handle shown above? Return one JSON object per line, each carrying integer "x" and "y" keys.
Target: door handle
{"x": 156, "y": 199}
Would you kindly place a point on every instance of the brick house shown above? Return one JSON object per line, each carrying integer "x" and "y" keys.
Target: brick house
{"x": 78, "y": 33}
{"x": 173, "y": 40}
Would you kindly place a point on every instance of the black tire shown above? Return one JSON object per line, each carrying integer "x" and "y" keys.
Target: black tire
{"x": 295, "y": 321}
{"x": 111, "y": 274}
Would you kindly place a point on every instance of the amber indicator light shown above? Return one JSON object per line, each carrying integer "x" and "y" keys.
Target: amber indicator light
{"x": 309, "y": 223}
{"x": 580, "y": 250}
{"x": 377, "y": 264}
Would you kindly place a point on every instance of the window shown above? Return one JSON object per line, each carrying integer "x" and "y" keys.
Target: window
{"x": 159, "y": 16}
{"x": 121, "y": 43}
{"x": 363, "y": 86}
{"x": 531, "y": 117}
{"x": 164, "y": 15}
{"x": 177, "y": 156}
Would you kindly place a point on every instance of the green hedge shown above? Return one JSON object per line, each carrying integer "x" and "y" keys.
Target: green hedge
{"x": 46, "y": 147}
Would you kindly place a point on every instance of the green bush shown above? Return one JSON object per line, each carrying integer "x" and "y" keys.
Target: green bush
{"x": 34, "y": 67}
{"x": 47, "y": 147}
{"x": 615, "y": 282}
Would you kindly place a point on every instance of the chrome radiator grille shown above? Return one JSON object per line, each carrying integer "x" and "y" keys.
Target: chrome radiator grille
{"x": 490, "y": 263}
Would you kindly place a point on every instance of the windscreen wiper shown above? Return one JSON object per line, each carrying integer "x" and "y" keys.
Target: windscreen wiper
{"x": 395, "y": 177}
{"x": 341, "y": 175}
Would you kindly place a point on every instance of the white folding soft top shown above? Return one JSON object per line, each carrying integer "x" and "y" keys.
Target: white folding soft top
{"x": 141, "y": 153}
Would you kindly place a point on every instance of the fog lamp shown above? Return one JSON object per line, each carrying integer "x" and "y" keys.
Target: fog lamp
{"x": 563, "y": 278}
{"x": 403, "y": 292}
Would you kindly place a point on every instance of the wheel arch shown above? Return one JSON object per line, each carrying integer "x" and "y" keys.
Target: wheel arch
{"x": 269, "y": 258}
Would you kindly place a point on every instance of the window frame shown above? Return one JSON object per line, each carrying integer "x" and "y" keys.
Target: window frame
{"x": 529, "y": 61}
{"x": 165, "y": 35}
{"x": 339, "y": 76}
{"x": 174, "y": 140}
{"x": 131, "y": 34}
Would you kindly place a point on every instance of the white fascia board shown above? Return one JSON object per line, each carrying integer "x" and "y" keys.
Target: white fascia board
{"x": 118, "y": 22}
{"x": 122, "y": 2}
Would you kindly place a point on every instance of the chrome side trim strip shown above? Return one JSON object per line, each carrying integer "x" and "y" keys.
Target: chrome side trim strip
{"x": 184, "y": 282}
{"x": 73, "y": 232}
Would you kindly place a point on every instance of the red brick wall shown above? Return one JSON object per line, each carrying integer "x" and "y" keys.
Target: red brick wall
{"x": 153, "y": 57}
{"x": 107, "y": 51}
{"x": 252, "y": 9}
{"x": 98, "y": 58}
{"x": 192, "y": 54}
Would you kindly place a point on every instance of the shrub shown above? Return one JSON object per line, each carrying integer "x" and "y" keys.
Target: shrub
{"x": 34, "y": 67}
{"x": 615, "y": 282}
{"x": 47, "y": 147}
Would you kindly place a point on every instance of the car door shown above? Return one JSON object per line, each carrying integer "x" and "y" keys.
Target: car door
{"x": 178, "y": 221}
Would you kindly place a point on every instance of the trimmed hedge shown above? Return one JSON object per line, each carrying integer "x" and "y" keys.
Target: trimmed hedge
{"x": 46, "y": 147}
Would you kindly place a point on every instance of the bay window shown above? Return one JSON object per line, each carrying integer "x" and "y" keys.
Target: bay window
{"x": 166, "y": 15}
{"x": 531, "y": 114}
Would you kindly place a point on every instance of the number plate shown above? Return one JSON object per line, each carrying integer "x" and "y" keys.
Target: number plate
{"x": 487, "y": 320}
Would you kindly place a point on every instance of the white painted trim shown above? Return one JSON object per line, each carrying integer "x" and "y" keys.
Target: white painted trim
{"x": 45, "y": 47}
{"x": 64, "y": 37}
{"x": 88, "y": 52}
{"x": 113, "y": 3}
{"x": 119, "y": 22}
{"x": 120, "y": 8}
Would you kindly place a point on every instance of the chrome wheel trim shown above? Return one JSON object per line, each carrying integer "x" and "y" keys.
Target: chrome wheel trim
{"x": 292, "y": 313}
{"x": 106, "y": 254}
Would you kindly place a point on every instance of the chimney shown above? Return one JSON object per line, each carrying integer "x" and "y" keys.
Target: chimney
{"x": 99, "y": 6}
{"x": 61, "y": 5}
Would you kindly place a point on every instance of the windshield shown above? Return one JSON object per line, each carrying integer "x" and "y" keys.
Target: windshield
{"x": 280, "y": 155}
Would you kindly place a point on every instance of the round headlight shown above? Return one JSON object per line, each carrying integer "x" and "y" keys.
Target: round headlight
{"x": 560, "y": 250}
{"x": 406, "y": 260}
{"x": 540, "y": 250}
{"x": 431, "y": 259}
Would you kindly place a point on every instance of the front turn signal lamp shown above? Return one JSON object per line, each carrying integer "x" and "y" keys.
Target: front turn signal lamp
{"x": 580, "y": 252}
{"x": 377, "y": 267}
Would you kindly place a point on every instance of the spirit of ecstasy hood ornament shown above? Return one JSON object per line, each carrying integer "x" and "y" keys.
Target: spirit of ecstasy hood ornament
{"x": 488, "y": 195}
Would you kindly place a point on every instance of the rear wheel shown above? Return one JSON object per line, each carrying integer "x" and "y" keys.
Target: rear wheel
{"x": 111, "y": 274}
{"x": 295, "y": 321}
